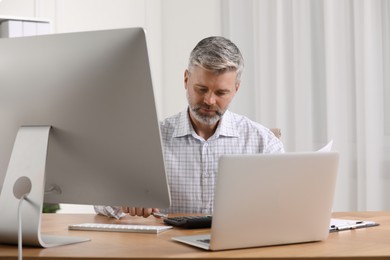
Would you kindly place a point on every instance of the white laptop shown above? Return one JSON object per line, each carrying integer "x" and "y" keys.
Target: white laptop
{"x": 270, "y": 199}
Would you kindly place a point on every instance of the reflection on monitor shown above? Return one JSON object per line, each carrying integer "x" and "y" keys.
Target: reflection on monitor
{"x": 78, "y": 121}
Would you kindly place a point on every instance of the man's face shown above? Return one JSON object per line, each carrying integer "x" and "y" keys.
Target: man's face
{"x": 209, "y": 94}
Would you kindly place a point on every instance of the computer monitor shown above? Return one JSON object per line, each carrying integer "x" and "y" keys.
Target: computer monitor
{"x": 78, "y": 124}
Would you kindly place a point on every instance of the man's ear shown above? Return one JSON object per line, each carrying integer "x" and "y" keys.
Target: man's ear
{"x": 186, "y": 76}
{"x": 238, "y": 85}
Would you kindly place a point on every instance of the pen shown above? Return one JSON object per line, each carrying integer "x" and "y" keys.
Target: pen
{"x": 353, "y": 226}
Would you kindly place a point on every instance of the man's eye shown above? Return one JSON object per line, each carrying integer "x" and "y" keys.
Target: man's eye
{"x": 220, "y": 94}
{"x": 202, "y": 90}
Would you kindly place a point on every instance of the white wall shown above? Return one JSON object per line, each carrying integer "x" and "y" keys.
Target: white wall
{"x": 173, "y": 28}
{"x": 184, "y": 23}
{"x": 237, "y": 25}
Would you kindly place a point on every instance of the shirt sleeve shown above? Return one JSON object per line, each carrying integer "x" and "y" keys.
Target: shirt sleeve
{"x": 273, "y": 144}
{"x": 109, "y": 211}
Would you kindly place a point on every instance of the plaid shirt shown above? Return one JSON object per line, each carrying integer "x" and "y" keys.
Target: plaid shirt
{"x": 192, "y": 162}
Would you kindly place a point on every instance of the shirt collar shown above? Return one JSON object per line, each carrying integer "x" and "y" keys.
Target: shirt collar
{"x": 183, "y": 126}
{"x": 227, "y": 126}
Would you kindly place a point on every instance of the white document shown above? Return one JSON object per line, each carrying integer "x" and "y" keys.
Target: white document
{"x": 327, "y": 147}
{"x": 11, "y": 29}
{"x": 29, "y": 28}
{"x": 19, "y": 28}
{"x": 43, "y": 28}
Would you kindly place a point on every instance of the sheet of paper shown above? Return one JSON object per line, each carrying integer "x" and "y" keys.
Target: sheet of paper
{"x": 327, "y": 147}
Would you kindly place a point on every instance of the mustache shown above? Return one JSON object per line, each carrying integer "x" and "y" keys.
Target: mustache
{"x": 205, "y": 106}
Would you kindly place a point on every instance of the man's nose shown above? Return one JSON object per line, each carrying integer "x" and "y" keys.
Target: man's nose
{"x": 209, "y": 99}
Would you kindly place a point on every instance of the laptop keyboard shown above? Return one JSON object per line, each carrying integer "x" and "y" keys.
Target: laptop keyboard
{"x": 206, "y": 241}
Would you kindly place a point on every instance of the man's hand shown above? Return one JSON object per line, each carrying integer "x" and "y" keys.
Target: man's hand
{"x": 141, "y": 212}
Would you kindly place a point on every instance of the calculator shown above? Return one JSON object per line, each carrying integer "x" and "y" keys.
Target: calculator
{"x": 189, "y": 222}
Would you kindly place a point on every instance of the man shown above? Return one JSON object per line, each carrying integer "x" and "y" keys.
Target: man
{"x": 194, "y": 139}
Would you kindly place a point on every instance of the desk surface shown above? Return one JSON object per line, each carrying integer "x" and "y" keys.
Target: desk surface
{"x": 367, "y": 243}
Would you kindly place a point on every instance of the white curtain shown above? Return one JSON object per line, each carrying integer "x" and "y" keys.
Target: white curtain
{"x": 321, "y": 71}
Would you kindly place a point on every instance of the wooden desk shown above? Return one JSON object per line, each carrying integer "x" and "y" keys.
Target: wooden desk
{"x": 367, "y": 243}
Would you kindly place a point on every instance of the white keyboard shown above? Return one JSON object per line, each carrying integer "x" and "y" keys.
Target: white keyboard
{"x": 119, "y": 228}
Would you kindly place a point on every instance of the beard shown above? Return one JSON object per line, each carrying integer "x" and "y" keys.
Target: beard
{"x": 195, "y": 110}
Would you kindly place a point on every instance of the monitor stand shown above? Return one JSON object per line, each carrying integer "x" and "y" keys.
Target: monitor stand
{"x": 26, "y": 175}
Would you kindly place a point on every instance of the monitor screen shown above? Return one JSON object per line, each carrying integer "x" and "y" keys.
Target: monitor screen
{"x": 80, "y": 107}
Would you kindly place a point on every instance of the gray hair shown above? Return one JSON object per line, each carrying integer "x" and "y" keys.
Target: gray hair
{"x": 217, "y": 54}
